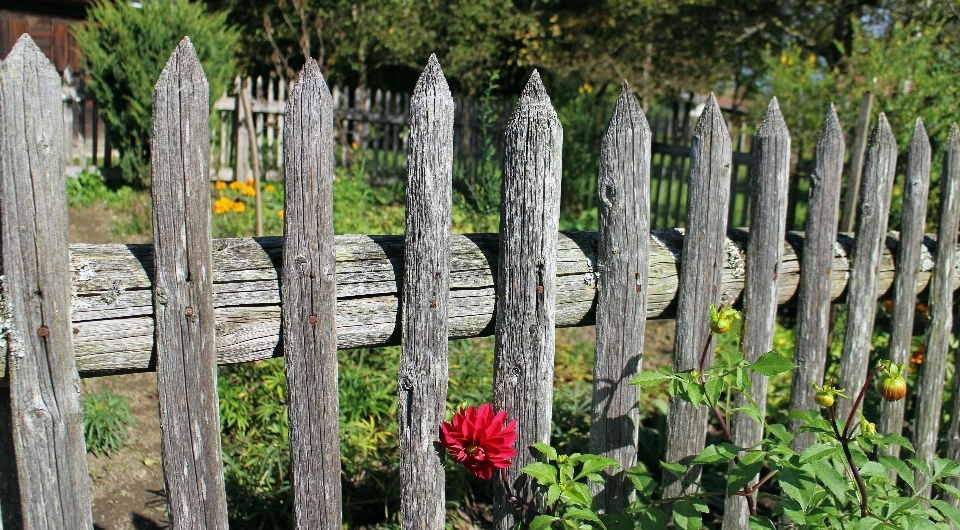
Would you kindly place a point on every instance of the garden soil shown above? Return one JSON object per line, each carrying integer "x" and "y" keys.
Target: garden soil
{"x": 127, "y": 489}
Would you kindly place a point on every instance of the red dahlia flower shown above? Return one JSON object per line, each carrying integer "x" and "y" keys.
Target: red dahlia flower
{"x": 478, "y": 440}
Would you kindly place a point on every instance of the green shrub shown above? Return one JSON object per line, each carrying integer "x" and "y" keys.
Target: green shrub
{"x": 125, "y": 48}
{"x": 106, "y": 418}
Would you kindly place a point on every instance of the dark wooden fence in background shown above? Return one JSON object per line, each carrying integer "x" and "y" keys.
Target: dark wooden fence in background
{"x": 187, "y": 302}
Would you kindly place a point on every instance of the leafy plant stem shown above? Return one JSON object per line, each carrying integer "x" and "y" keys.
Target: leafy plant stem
{"x": 513, "y": 498}
{"x": 856, "y": 404}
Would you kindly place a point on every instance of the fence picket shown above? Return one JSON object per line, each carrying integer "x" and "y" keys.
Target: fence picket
{"x": 950, "y": 194}
{"x": 183, "y": 295}
{"x": 939, "y": 302}
{"x": 700, "y": 280}
{"x": 912, "y": 222}
{"x": 768, "y": 219}
{"x": 309, "y": 303}
{"x": 820, "y": 239}
{"x": 623, "y": 259}
{"x": 422, "y": 380}
{"x": 873, "y": 210}
{"x": 44, "y": 403}
{"x": 526, "y": 283}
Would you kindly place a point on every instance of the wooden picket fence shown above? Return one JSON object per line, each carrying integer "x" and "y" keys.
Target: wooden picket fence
{"x": 188, "y": 302}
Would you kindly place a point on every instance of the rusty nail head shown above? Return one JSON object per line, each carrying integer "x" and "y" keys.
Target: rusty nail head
{"x": 43, "y": 331}
{"x": 540, "y": 289}
{"x": 76, "y": 331}
{"x": 433, "y": 303}
{"x": 188, "y": 311}
{"x": 313, "y": 319}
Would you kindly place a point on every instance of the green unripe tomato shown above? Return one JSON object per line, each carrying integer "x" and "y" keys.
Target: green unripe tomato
{"x": 892, "y": 387}
{"x": 824, "y": 399}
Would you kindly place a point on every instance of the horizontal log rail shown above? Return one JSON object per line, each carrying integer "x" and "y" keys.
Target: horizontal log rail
{"x": 113, "y": 308}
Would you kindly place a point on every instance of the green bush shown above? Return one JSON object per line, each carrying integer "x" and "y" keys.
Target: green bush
{"x": 106, "y": 418}
{"x": 125, "y": 48}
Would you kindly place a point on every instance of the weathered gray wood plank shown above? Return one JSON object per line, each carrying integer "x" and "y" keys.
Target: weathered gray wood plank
{"x": 857, "y": 150}
{"x": 113, "y": 305}
{"x": 912, "y": 221}
{"x": 183, "y": 295}
{"x": 526, "y": 283}
{"x": 44, "y": 392}
{"x": 873, "y": 212}
{"x": 768, "y": 226}
{"x": 309, "y": 303}
{"x": 940, "y": 317}
{"x": 817, "y": 263}
{"x": 700, "y": 281}
{"x": 422, "y": 383}
{"x": 623, "y": 248}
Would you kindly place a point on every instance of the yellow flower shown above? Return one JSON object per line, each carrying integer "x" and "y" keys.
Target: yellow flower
{"x": 239, "y": 206}
{"x": 237, "y": 185}
{"x": 353, "y": 145}
{"x": 270, "y": 188}
{"x": 222, "y": 205}
{"x": 812, "y": 60}
{"x": 280, "y": 213}
{"x": 220, "y": 185}
{"x": 588, "y": 87}
{"x": 249, "y": 191}
{"x": 783, "y": 58}
{"x": 249, "y": 182}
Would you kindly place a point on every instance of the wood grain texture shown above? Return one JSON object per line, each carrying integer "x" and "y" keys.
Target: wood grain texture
{"x": 183, "y": 295}
{"x": 817, "y": 265}
{"x": 309, "y": 295}
{"x": 857, "y": 151}
{"x": 700, "y": 282}
{"x": 912, "y": 222}
{"x": 873, "y": 211}
{"x": 526, "y": 283}
{"x": 422, "y": 383}
{"x": 623, "y": 248}
{"x": 44, "y": 403}
{"x": 113, "y": 303}
{"x": 768, "y": 226}
{"x": 939, "y": 316}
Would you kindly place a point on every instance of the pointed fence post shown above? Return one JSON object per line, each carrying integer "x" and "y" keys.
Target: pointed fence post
{"x": 912, "y": 222}
{"x": 623, "y": 242}
{"x": 940, "y": 318}
{"x": 768, "y": 226}
{"x": 526, "y": 283}
{"x": 699, "y": 283}
{"x": 873, "y": 211}
{"x": 816, "y": 267}
{"x": 308, "y": 292}
{"x": 44, "y": 404}
{"x": 422, "y": 382}
{"x": 183, "y": 295}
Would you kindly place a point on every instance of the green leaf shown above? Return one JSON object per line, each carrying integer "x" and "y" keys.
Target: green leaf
{"x": 798, "y": 485}
{"x": 730, "y": 356}
{"x": 793, "y": 510}
{"x": 717, "y": 453}
{"x": 943, "y": 467}
{"x": 772, "y": 363}
{"x": 949, "y": 489}
{"x": 593, "y": 463}
{"x": 545, "y": 450}
{"x": 553, "y": 493}
{"x": 543, "y": 521}
{"x": 868, "y": 523}
{"x": 584, "y": 515}
{"x": 693, "y": 392}
{"x": 816, "y": 452}
{"x": 745, "y": 471}
{"x": 830, "y": 478}
{"x": 952, "y": 514}
{"x": 919, "y": 465}
{"x": 896, "y": 439}
{"x": 652, "y": 519}
{"x": 781, "y": 433}
{"x": 902, "y": 470}
{"x": 742, "y": 379}
{"x": 642, "y": 480}
{"x": 873, "y": 469}
{"x": 650, "y": 378}
{"x": 752, "y": 411}
{"x": 713, "y": 387}
{"x": 578, "y": 493}
{"x": 544, "y": 473}
{"x": 676, "y": 469}
{"x": 686, "y": 516}
{"x": 759, "y": 522}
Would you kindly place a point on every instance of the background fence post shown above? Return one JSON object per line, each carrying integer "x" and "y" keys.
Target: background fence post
{"x": 699, "y": 283}
{"x": 623, "y": 243}
{"x": 857, "y": 151}
{"x": 526, "y": 282}
{"x": 912, "y": 222}
{"x": 768, "y": 218}
{"x": 309, "y": 299}
{"x": 183, "y": 295}
{"x": 45, "y": 407}
{"x": 874, "y": 209}
{"x": 816, "y": 269}
{"x": 937, "y": 340}
{"x": 422, "y": 381}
